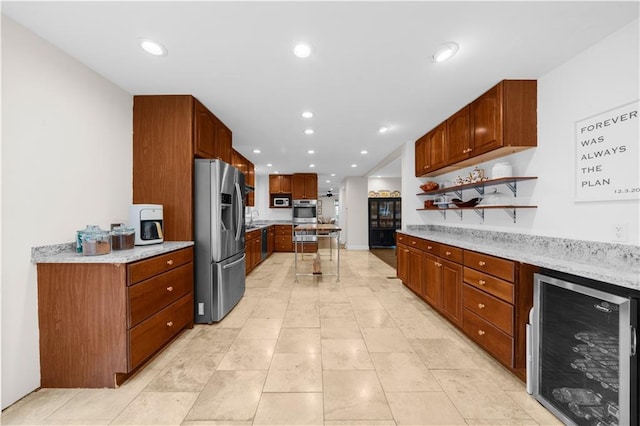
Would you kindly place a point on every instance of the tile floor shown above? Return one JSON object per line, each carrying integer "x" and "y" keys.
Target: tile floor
{"x": 364, "y": 351}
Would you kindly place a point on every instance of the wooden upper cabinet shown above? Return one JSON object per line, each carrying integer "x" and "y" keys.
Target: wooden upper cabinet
{"x": 459, "y": 136}
{"x": 247, "y": 168}
{"x": 280, "y": 184}
{"x": 505, "y": 117}
{"x": 500, "y": 122}
{"x": 423, "y": 156}
{"x": 438, "y": 145}
{"x": 211, "y": 138}
{"x": 304, "y": 186}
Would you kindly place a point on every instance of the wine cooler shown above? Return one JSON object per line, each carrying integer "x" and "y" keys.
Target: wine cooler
{"x": 583, "y": 362}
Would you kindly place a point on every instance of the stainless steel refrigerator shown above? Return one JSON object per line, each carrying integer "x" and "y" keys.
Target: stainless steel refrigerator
{"x": 219, "y": 239}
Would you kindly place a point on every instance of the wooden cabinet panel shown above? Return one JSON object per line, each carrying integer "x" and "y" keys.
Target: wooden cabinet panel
{"x": 486, "y": 120}
{"x": 223, "y": 142}
{"x": 432, "y": 286}
{"x": 496, "y": 266}
{"x": 247, "y": 168}
{"x": 451, "y": 253}
{"x": 438, "y": 146}
{"x": 489, "y": 337}
{"x": 402, "y": 262}
{"x": 451, "y": 276}
{"x": 410, "y": 267}
{"x": 459, "y": 136}
{"x": 146, "y": 337}
{"x": 492, "y": 285}
{"x": 205, "y": 131}
{"x": 147, "y": 268}
{"x": 422, "y": 156}
{"x": 280, "y": 184}
{"x": 271, "y": 240}
{"x": 150, "y": 296}
{"x": 304, "y": 186}
{"x": 489, "y": 308}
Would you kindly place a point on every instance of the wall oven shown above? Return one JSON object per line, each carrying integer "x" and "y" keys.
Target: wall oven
{"x": 304, "y": 212}
{"x": 583, "y": 350}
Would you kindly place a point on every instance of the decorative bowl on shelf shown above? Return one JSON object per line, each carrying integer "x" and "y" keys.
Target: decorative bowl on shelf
{"x": 429, "y": 186}
{"x": 470, "y": 203}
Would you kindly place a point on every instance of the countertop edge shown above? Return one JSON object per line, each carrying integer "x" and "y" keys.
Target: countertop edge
{"x": 65, "y": 253}
{"x": 542, "y": 254}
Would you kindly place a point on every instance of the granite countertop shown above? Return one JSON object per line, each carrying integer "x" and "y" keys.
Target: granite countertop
{"x": 616, "y": 264}
{"x": 66, "y": 253}
{"x": 265, "y": 224}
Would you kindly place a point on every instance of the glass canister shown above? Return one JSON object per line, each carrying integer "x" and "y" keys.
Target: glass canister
{"x": 96, "y": 242}
{"x": 80, "y": 233}
{"x": 122, "y": 238}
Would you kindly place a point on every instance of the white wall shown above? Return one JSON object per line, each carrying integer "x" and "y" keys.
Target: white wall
{"x": 66, "y": 163}
{"x": 355, "y": 202}
{"x": 384, "y": 184}
{"x": 602, "y": 77}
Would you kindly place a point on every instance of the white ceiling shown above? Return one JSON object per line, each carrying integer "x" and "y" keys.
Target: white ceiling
{"x": 371, "y": 64}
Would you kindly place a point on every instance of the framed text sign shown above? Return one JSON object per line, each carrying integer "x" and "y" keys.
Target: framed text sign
{"x": 608, "y": 155}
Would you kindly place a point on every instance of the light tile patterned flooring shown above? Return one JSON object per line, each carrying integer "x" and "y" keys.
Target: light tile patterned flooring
{"x": 364, "y": 351}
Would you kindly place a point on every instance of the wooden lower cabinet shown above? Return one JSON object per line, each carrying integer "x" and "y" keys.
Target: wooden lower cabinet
{"x": 99, "y": 322}
{"x": 284, "y": 238}
{"x": 488, "y": 297}
{"x": 253, "y": 249}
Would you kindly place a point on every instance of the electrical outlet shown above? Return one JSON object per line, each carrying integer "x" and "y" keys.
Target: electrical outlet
{"x": 620, "y": 232}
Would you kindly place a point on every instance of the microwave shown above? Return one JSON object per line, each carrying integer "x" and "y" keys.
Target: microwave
{"x": 281, "y": 201}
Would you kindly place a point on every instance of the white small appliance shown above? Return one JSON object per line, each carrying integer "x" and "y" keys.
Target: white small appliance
{"x": 281, "y": 201}
{"x": 147, "y": 220}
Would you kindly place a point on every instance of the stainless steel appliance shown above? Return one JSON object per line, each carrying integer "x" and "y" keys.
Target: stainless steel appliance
{"x": 304, "y": 212}
{"x": 146, "y": 220}
{"x": 219, "y": 239}
{"x": 583, "y": 350}
{"x": 265, "y": 244}
{"x": 281, "y": 201}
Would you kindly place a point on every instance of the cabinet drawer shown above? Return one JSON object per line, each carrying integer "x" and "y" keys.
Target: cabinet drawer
{"x": 453, "y": 254}
{"x": 489, "y": 308}
{"x": 151, "y": 334}
{"x": 252, "y": 235}
{"x": 501, "y": 268}
{"x": 147, "y": 268}
{"x": 283, "y": 229}
{"x": 489, "y": 337}
{"x": 411, "y": 241}
{"x": 492, "y": 285}
{"x": 431, "y": 247}
{"x": 150, "y": 296}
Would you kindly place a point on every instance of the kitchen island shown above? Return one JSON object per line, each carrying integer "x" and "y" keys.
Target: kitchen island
{"x": 328, "y": 231}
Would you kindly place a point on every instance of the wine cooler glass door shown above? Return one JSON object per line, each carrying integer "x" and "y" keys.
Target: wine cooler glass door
{"x": 581, "y": 352}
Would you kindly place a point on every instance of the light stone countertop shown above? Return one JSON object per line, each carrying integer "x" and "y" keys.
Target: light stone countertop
{"x": 616, "y": 264}
{"x": 66, "y": 253}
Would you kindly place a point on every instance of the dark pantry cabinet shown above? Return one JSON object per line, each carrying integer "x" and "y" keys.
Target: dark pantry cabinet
{"x": 384, "y": 219}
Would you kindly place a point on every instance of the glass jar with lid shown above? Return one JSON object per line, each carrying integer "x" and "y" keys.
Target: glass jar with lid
{"x": 96, "y": 241}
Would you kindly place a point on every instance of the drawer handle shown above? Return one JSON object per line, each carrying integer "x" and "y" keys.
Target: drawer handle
{"x": 448, "y": 253}
{"x": 481, "y": 305}
{"x": 481, "y": 263}
{"x": 481, "y": 332}
{"x": 170, "y": 324}
{"x": 406, "y": 251}
{"x": 429, "y": 247}
{"x": 438, "y": 264}
{"x": 482, "y": 282}
{"x": 169, "y": 262}
{"x": 170, "y": 288}
{"x": 413, "y": 242}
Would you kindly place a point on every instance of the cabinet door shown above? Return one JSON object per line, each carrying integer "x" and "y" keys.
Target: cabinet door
{"x": 452, "y": 291}
{"x": 414, "y": 270}
{"x": 297, "y": 187}
{"x": 285, "y": 184}
{"x": 402, "y": 262}
{"x": 486, "y": 120}
{"x": 205, "y": 129}
{"x": 438, "y": 146}
{"x": 432, "y": 288}
{"x": 311, "y": 186}
{"x": 422, "y": 156}
{"x": 250, "y": 179}
{"x": 304, "y": 186}
{"x": 458, "y": 136}
{"x": 223, "y": 142}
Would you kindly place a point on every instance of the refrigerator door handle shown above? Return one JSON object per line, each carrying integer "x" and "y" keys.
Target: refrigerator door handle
{"x": 240, "y": 212}
{"x": 634, "y": 341}
{"x": 232, "y": 264}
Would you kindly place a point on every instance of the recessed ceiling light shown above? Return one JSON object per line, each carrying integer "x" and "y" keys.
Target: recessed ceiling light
{"x": 327, "y": 181}
{"x": 302, "y": 50}
{"x": 308, "y": 132}
{"x": 333, "y": 174}
{"x": 446, "y": 51}
{"x": 269, "y": 165}
{"x": 312, "y": 165}
{"x": 364, "y": 151}
{"x": 354, "y": 165}
{"x": 276, "y": 172}
{"x": 152, "y": 47}
{"x": 307, "y": 114}
{"x": 256, "y": 151}
{"x": 311, "y": 151}
{"x": 383, "y": 129}
{"x": 330, "y": 189}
